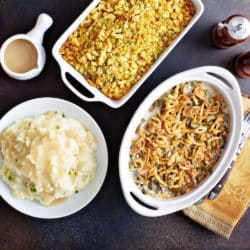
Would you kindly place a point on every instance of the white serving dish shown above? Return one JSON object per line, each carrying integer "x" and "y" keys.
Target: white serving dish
{"x": 226, "y": 84}
{"x": 83, "y": 197}
{"x": 98, "y": 96}
{"x": 34, "y": 36}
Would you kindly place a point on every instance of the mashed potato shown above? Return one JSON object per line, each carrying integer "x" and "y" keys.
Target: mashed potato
{"x": 47, "y": 157}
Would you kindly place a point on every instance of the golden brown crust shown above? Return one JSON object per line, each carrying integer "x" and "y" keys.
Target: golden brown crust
{"x": 179, "y": 144}
{"x": 119, "y": 41}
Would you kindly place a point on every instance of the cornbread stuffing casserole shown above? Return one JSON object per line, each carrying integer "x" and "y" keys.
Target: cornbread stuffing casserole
{"x": 179, "y": 142}
{"x": 120, "y": 39}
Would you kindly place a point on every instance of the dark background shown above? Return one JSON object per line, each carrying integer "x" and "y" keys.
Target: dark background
{"x": 107, "y": 222}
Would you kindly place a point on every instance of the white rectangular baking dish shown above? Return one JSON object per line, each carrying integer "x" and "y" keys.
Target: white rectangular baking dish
{"x": 97, "y": 95}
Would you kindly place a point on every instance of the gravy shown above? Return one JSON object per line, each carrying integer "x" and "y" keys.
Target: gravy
{"x": 58, "y": 201}
{"x": 20, "y": 56}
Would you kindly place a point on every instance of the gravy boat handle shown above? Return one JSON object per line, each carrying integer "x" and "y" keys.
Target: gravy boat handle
{"x": 43, "y": 23}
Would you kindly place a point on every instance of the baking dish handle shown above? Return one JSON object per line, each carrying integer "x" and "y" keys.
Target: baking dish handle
{"x": 75, "y": 91}
{"x": 226, "y": 77}
{"x": 141, "y": 207}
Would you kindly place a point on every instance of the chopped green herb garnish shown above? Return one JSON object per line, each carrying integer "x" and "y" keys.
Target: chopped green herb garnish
{"x": 63, "y": 115}
{"x": 10, "y": 178}
{"x": 32, "y": 189}
{"x": 76, "y": 191}
{"x": 72, "y": 172}
{"x": 57, "y": 126}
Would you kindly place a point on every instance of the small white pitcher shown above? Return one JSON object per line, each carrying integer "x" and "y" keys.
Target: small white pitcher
{"x": 35, "y": 37}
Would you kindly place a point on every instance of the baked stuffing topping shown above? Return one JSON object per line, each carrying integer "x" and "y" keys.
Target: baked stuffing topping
{"x": 120, "y": 40}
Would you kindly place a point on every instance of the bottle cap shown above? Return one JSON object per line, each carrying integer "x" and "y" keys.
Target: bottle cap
{"x": 238, "y": 27}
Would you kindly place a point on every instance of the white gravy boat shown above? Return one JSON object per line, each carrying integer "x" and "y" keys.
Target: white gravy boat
{"x": 35, "y": 37}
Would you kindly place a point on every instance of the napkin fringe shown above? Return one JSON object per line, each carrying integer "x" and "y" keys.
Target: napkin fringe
{"x": 209, "y": 221}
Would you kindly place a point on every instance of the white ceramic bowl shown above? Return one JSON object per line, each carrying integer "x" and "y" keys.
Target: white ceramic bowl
{"x": 83, "y": 197}
{"x": 223, "y": 82}
{"x": 98, "y": 96}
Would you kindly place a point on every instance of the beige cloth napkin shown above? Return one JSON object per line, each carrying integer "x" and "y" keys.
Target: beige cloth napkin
{"x": 222, "y": 214}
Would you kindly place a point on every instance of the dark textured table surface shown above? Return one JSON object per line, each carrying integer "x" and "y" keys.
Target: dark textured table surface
{"x": 107, "y": 222}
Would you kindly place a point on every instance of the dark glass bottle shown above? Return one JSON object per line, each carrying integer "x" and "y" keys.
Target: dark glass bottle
{"x": 232, "y": 31}
{"x": 242, "y": 65}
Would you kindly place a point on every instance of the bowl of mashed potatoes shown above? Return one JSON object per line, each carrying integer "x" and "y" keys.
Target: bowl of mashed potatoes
{"x": 53, "y": 158}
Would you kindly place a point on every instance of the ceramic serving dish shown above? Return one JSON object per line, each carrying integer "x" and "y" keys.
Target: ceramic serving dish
{"x": 82, "y": 198}
{"x": 97, "y": 95}
{"x": 35, "y": 37}
{"x": 223, "y": 82}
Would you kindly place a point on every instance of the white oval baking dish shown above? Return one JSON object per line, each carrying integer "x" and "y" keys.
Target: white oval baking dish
{"x": 97, "y": 95}
{"x": 223, "y": 82}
